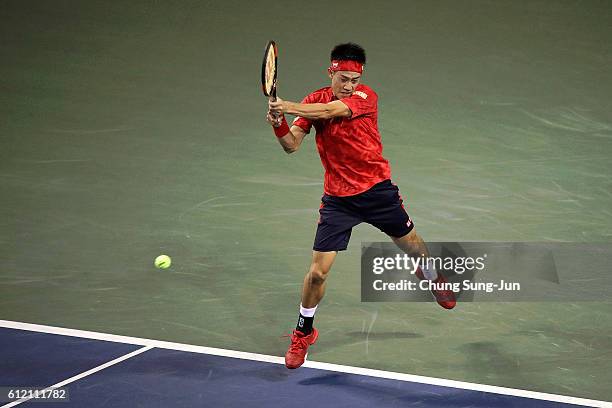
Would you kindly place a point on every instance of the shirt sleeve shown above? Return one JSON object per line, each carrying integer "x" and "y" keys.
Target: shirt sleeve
{"x": 304, "y": 123}
{"x": 361, "y": 102}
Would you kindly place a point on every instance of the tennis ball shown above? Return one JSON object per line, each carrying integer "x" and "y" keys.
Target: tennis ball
{"x": 163, "y": 262}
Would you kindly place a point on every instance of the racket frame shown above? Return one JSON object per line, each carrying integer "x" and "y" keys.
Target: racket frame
{"x": 272, "y": 92}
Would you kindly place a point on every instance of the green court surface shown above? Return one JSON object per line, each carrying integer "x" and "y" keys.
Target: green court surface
{"x": 130, "y": 129}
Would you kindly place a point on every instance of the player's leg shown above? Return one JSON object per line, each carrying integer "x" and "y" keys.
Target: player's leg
{"x": 314, "y": 289}
{"x": 334, "y": 227}
{"x": 333, "y": 234}
{"x": 315, "y": 280}
{"x": 385, "y": 210}
{"x": 412, "y": 244}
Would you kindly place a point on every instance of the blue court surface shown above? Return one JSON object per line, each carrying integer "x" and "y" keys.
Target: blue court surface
{"x": 101, "y": 370}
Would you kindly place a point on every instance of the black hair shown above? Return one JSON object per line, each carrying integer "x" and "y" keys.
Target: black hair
{"x": 348, "y": 52}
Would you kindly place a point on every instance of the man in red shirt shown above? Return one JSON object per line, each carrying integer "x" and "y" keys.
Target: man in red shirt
{"x": 357, "y": 181}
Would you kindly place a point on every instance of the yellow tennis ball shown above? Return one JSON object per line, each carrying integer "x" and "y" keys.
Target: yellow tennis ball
{"x": 163, "y": 262}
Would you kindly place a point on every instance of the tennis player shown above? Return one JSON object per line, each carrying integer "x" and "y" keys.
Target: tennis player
{"x": 357, "y": 186}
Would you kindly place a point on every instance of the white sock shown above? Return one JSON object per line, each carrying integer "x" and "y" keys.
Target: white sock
{"x": 308, "y": 312}
{"x": 429, "y": 270}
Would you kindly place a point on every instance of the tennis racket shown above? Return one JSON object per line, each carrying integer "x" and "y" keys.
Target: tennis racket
{"x": 269, "y": 69}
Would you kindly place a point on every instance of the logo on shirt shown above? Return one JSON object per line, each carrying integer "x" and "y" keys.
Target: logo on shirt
{"x": 362, "y": 94}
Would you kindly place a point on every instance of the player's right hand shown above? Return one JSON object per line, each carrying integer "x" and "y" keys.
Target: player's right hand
{"x": 274, "y": 118}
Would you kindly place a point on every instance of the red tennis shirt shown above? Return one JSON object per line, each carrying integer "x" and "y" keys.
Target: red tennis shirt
{"x": 350, "y": 148}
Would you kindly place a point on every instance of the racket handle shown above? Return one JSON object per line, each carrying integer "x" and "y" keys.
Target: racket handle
{"x": 273, "y": 96}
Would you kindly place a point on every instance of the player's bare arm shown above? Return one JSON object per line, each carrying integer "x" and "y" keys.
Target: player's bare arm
{"x": 291, "y": 141}
{"x": 313, "y": 111}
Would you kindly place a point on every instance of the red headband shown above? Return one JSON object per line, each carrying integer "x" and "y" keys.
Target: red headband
{"x": 346, "y": 65}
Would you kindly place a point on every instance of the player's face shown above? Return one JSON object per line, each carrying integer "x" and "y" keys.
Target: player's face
{"x": 343, "y": 83}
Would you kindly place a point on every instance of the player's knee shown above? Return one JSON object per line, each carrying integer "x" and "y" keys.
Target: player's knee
{"x": 412, "y": 236}
{"x": 410, "y": 239}
{"x": 317, "y": 274}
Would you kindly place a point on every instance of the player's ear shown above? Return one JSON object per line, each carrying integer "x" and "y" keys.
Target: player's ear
{"x": 330, "y": 72}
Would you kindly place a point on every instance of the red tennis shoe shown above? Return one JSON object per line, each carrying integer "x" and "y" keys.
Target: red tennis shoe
{"x": 445, "y": 298}
{"x": 296, "y": 354}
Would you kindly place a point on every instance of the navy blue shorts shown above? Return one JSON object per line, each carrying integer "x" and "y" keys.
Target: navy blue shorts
{"x": 381, "y": 206}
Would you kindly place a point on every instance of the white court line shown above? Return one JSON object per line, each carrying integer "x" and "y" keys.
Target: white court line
{"x": 311, "y": 364}
{"x": 83, "y": 374}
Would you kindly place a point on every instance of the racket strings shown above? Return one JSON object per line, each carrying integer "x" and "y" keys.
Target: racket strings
{"x": 270, "y": 70}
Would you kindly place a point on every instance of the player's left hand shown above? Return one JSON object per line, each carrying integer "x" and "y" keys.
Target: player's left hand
{"x": 274, "y": 119}
{"x": 278, "y": 105}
